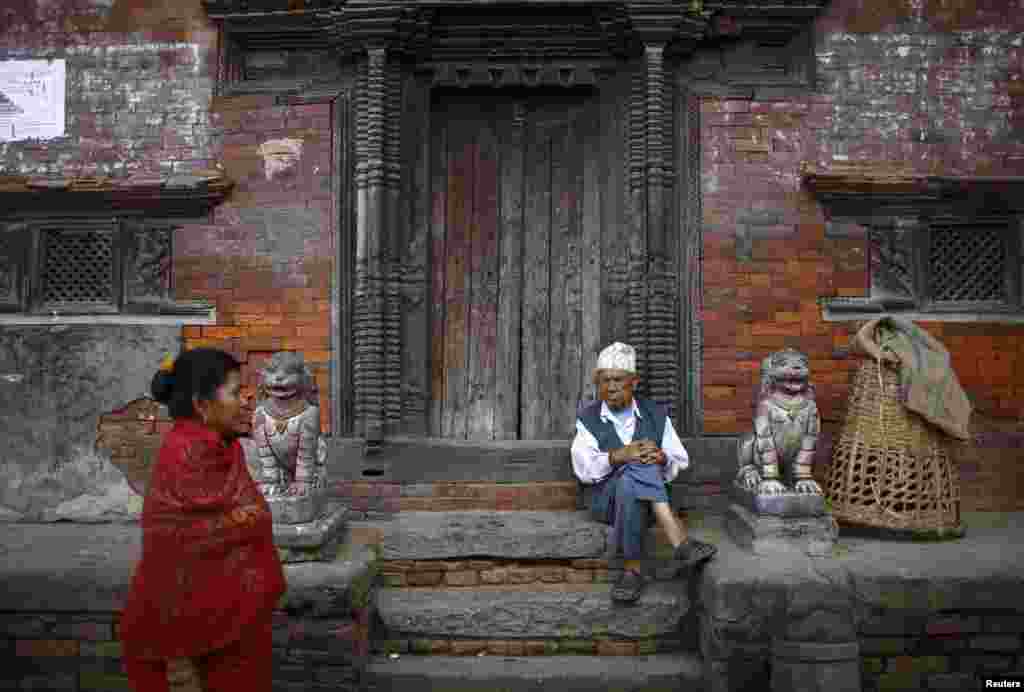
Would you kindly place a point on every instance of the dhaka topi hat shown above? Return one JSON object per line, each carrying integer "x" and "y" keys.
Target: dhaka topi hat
{"x": 618, "y": 356}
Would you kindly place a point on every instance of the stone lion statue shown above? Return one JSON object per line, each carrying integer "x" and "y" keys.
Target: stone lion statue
{"x": 291, "y": 456}
{"x": 786, "y": 427}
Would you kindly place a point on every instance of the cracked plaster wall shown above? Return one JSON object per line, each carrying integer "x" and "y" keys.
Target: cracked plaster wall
{"x": 69, "y": 376}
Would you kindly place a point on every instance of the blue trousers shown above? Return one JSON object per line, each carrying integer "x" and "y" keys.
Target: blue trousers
{"x": 623, "y": 501}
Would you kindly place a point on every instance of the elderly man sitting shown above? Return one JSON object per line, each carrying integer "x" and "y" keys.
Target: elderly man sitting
{"x": 628, "y": 449}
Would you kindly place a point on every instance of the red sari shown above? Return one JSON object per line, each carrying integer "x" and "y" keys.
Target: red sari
{"x": 209, "y": 576}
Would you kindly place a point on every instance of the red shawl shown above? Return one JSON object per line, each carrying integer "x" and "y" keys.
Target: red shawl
{"x": 209, "y": 567}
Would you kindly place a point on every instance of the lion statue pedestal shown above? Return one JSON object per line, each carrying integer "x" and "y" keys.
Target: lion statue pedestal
{"x": 287, "y": 458}
{"x": 776, "y": 505}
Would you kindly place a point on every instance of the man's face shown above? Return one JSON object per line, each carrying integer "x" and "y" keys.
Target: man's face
{"x": 615, "y": 387}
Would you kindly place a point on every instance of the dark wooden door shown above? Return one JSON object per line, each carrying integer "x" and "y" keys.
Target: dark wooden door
{"x": 516, "y": 245}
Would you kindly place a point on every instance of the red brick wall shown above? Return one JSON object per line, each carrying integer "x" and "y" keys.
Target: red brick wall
{"x": 265, "y": 260}
{"x": 895, "y": 86}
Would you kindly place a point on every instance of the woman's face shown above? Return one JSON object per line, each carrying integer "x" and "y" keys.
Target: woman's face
{"x": 224, "y": 413}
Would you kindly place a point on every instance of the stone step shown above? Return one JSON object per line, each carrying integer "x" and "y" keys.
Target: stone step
{"x": 562, "y": 611}
{"x": 658, "y": 673}
{"x": 509, "y": 535}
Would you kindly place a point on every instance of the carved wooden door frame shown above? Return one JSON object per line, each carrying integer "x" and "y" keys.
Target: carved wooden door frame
{"x": 662, "y": 263}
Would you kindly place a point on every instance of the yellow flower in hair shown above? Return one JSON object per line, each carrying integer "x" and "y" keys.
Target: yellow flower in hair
{"x": 167, "y": 364}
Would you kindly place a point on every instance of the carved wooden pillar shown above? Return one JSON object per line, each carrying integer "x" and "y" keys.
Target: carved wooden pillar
{"x": 662, "y": 339}
{"x": 373, "y": 304}
{"x": 653, "y": 283}
{"x": 636, "y": 207}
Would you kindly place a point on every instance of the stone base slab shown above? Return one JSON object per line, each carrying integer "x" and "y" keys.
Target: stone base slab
{"x": 532, "y": 647}
{"x": 509, "y": 535}
{"x": 766, "y": 534}
{"x": 297, "y": 509}
{"x": 658, "y": 673}
{"x": 575, "y": 612}
{"x": 784, "y": 505}
{"x": 316, "y": 540}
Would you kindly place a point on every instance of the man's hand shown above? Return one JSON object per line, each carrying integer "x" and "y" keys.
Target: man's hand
{"x": 642, "y": 452}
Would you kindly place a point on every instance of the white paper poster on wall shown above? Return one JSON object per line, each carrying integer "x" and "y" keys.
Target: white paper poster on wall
{"x": 31, "y": 99}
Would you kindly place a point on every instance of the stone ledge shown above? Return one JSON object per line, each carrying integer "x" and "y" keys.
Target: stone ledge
{"x": 583, "y": 612}
{"x": 525, "y": 647}
{"x": 511, "y": 535}
{"x": 539, "y": 674}
{"x": 831, "y": 599}
{"x": 88, "y": 568}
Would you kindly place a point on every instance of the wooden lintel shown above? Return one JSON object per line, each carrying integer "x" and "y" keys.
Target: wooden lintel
{"x": 884, "y": 187}
{"x": 182, "y": 195}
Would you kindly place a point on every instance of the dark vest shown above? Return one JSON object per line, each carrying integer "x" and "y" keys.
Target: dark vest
{"x": 649, "y": 426}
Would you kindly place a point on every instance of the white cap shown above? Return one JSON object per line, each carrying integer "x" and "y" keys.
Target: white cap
{"x": 618, "y": 356}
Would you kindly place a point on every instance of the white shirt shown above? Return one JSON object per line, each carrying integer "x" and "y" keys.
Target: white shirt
{"x": 590, "y": 464}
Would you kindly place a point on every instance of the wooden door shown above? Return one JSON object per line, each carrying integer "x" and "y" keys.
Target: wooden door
{"x": 516, "y": 235}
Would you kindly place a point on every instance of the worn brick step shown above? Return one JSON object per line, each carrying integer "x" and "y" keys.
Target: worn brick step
{"x": 463, "y": 496}
{"x": 573, "y": 611}
{"x": 657, "y": 673}
{"x": 534, "y": 647}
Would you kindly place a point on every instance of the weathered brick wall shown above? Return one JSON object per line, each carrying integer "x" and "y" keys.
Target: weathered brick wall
{"x": 948, "y": 650}
{"x": 80, "y": 652}
{"x": 139, "y": 81}
{"x": 265, "y": 259}
{"x": 132, "y": 436}
{"x": 935, "y": 86}
{"x": 140, "y": 102}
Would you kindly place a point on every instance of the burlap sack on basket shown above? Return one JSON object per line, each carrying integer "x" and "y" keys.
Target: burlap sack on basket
{"x": 891, "y": 466}
{"x": 928, "y": 385}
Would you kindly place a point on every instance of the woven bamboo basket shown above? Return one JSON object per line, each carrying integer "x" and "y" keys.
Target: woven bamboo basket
{"x": 890, "y": 469}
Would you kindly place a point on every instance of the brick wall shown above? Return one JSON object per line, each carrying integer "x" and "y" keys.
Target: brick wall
{"x": 80, "y": 652}
{"x": 265, "y": 259}
{"x": 139, "y": 82}
{"x": 935, "y": 86}
{"x": 140, "y": 85}
{"x": 948, "y": 650}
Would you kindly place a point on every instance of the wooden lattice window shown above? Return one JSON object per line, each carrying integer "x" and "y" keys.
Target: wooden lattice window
{"x": 970, "y": 264}
{"x": 90, "y": 265}
{"x": 78, "y": 267}
{"x": 957, "y": 267}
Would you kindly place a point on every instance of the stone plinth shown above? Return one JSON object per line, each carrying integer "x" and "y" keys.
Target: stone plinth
{"x": 316, "y": 540}
{"x": 783, "y": 505}
{"x": 585, "y": 610}
{"x": 508, "y": 535}
{"x": 297, "y": 509}
{"x": 765, "y": 534}
{"x": 815, "y": 666}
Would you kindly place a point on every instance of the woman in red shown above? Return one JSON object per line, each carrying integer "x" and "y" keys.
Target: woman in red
{"x": 204, "y": 592}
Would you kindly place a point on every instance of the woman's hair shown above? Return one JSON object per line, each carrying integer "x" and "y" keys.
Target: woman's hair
{"x": 196, "y": 373}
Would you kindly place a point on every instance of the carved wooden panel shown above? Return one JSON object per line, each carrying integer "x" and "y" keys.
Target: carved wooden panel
{"x": 892, "y": 264}
{"x": 14, "y": 239}
{"x": 148, "y": 275}
{"x": 689, "y": 413}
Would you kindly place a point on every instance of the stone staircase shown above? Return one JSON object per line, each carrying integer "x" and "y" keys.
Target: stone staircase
{"x": 520, "y": 600}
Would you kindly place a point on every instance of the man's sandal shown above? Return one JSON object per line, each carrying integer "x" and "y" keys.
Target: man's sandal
{"x": 629, "y": 587}
{"x": 694, "y": 552}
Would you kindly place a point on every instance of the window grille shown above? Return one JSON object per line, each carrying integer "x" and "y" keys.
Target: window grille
{"x": 968, "y": 263}
{"x": 78, "y": 266}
